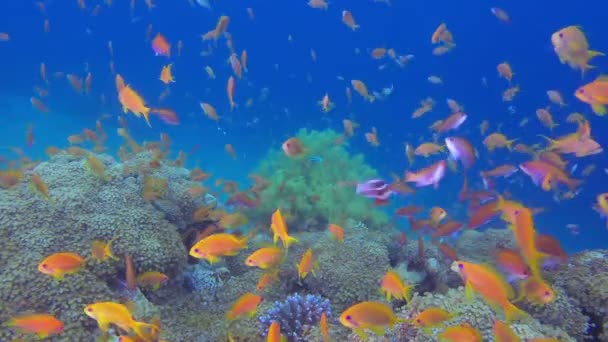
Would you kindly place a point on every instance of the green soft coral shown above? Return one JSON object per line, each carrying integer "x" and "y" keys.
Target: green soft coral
{"x": 323, "y": 191}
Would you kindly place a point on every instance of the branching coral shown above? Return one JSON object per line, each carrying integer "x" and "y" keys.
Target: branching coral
{"x": 318, "y": 190}
{"x": 294, "y": 314}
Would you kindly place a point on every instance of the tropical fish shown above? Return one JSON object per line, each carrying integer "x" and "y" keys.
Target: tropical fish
{"x": 152, "y": 279}
{"x": 59, "y": 264}
{"x": 460, "y": 333}
{"x": 265, "y": 258}
{"x": 461, "y": 150}
{"x": 110, "y": 313}
{"x": 336, "y": 231}
{"x": 215, "y": 246}
{"x": 393, "y": 286}
{"x": 376, "y": 189}
{"x": 374, "y": 316}
{"x": 431, "y": 175}
{"x": 247, "y": 304}
{"x": 293, "y": 147}
{"x": 595, "y": 94}
{"x": 307, "y": 264}
{"x": 431, "y": 318}
{"x": 102, "y": 251}
{"x": 43, "y": 325}
{"x": 279, "y": 229}
{"x": 503, "y": 333}
{"x": 490, "y": 285}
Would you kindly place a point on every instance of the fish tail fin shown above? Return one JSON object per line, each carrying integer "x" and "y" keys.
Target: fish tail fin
{"x": 146, "y": 331}
{"x": 290, "y": 240}
{"x": 549, "y": 140}
{"x": 593, "y": 53}
{"x": 553, "y": 125}
{"x": 108, "y": 249}
{"x": 512, "y": 312}
{"x": 510, "y": 144}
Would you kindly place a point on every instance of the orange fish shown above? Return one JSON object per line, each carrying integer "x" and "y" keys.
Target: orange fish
{"x": 548, "y": 176}
{"x": 266, "y": 279}
{"x": 497, "y": 140}
{"x": 102, "y": 251}
{"x": 307, "y": 264}
{"x": 511, "y": 262}
{"x": 361, "y": 89}
{"x": 4, "y": 37}
{"x": 595, "y": 94}
{"x": 220, "y": 28}
{"x": 75, "y": 82}
{"x": 265, "y": 258}
{"x": 210, "y": 111}
{"x": 430, "y": 175}
{"x": 503, "y": 333}
{"x": 490, "y": 285}
{"x": 460, "y": 333}
{"x": 43, "y": 325}
{"x": 293, "y": 147}
{"x": 393, "y": 286}
{"x": 151, "y": 279}
{"x": 501, "y": 14}
{"x": 504, "y": 71}
{"x": 39, "y": 186}
{"x": 372, "y": 137}
{"x": 336, "y": 231}
{"x": 161, "y": 46}
{"x": 274, "y": 333}
{"x": 230, "y": 149}
{"x": 536, "y": 291}
{"x": 215, "y": 246}
{"x": 601, "y": 206}
{"x": 279, "y": 230}
{"x": 374, "y": 316}
{"x": 166, "y": 75}
{"x": 132, "y": 101}
{"x": 326, "y": 104}
{"x": 431, "y": 318}
{"x": 247, "y": 304}
{"x": 59, "y": 264}
{"x": 572, "y": 47}
{"x": 546, "y": 119}
{"x": 324, "y": 327}
{"x": 437, "y": 215}
{"x": 318, "y": 4}
{"x": 110, "y": 313}
{"x": 555, "y": 97}
{"x": 230, "y": 92}
{"x": 349, "y": 20}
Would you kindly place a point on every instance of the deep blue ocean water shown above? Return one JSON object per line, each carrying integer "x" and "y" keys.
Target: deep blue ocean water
{"x": 77, "y": 43}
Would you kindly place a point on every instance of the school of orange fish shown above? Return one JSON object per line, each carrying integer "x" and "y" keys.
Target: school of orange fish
{"x": 545, "y": 166}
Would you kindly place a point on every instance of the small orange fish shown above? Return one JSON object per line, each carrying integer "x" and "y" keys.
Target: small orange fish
{"x": 293, "y": 147}
{"x": 595, "y": 94}
{"x": 4, "y": 37}
{"x": 501, "y": 14}
{"x": 280, "y": 231}
{"x": 247, "y": 304}
{"x": 393, "y": 286}
{"x": 503, "y": 333}
{"x": 430, "y": 318}
{"x": 215, "y": 246}
{"x": 210, "y": 111}
{"x": 497, "y": 140}
{"x": 318, "y": 4}
{"x": 230, "y": 92}
{"x": 374, "y": 316}
{"x": 274, "y": 333}
{"x": 437, "y": 215}
{"x": 39, "y": 186}
{"x": 324, "y": 327}
{"x": 536, "y": 291}
{"x": 504, "y": 71}
{"x": 372, "y": 137}
{"x": 266, "y": 279}
{"x": 326, "y": 104}
{"x": 230, "y": 150}
{"x": 336, "y": 231}
{"x": 59, "y": 264}
{"x": 151, "y": 279}
{"x": 133, "y": 102}
{"x": 102, "y": 251}
{"x": 265, "y": 258}
{"x": 361, "y": 89}
{"x": 488, "y": 283}
{"x": 307, "y": 264}
{"x": 427, "y": 149}
{"x": 43, "y": 325}
{"x": 546, "y": 119}
{"x": 161, "y": 46}
{"x": 556, "y": 97}
{"x": 460, "y": 333}
{"x": 349, "y": 20}
{"x": 166, "y": 75}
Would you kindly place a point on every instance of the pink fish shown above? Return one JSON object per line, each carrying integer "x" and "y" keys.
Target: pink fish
{"x": 376, "y": 189}
{"x": 546, "y": 175}
{"x": 431, "y": 175}
{"x": 462, "y": 150}
{"x": 451, "y": 122}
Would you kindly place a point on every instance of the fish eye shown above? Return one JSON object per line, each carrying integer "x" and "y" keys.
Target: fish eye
{"x": 581, "y": 90}
{"x": 547, "y": 293}
{"x": 196, "y": 250}
{"x": 348, "y": 318}
{"x": 45, "y": 266}
{"x": 419, "y": 321}
{"x": 461, "y": 266}
{"x": 89, "y": 309}
{"x": 516, "y": 213}
{"x": 250, "y": 261}
{"x": 606, "y": 197}
{"x": 561, "y": 35}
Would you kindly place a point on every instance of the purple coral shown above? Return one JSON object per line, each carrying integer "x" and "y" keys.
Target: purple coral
{"x": 294, "y": 314}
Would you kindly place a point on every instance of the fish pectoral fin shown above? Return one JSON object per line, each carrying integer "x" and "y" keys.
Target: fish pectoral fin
{"x": 377, "y": 330}
{"x": 469, "y": 292}
{"x": 361, "y": 333}
{"x": 546, "y": 183}
{"x": 599, "y": 109}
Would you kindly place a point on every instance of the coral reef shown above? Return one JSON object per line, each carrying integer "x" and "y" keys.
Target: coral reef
{"x": 318, "y": 191}
{"x": 294, "y": 314}
{"x": 476, "y": 313}
{"x": 83, "y": 207}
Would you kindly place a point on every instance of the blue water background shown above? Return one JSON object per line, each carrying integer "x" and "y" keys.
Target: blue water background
{"x": 280, "y": 65}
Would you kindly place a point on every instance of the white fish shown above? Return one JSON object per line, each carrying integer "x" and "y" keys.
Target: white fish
{"x": 204, "y": 3}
